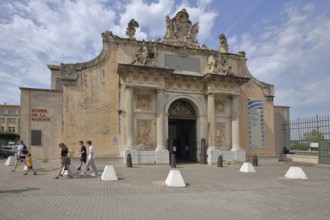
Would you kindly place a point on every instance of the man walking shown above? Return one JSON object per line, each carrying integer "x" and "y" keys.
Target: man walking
{"x": 90, "y": 160}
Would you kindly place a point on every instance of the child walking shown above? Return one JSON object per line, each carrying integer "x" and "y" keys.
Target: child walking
{"x": 29, "y": 165}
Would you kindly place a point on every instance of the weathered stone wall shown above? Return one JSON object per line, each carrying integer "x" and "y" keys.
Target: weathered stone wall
{"x": 51, "y": 130}
{"x": 282, "y": 128}
{"x": 252, "y": 91}
{"x": 90, "y": 107}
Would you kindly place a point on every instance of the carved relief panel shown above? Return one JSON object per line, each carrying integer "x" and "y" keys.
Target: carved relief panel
{"x": 144, "y": 132}
{"x": 220, "y": 134}
{"x": 220, "y": 105}
{"x": 143, "y": 101}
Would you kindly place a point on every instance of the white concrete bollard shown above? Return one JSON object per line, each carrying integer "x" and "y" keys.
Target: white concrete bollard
{"x": 247, "y": 168}
{"x": 109, "y": 173}
{"x": 296, "y": 173}
{"x": 175, "y": 179}
{"x": 10, "y": 161}
{"x": 72, "y": 168}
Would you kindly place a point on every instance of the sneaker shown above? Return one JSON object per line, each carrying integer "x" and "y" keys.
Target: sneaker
{"x": 25, "y": 174}
{"x": 94, "y": 174}
{"x": 12, "y": 171}
{"x": 83, "y": 174}
{"x": 34, "y": 173}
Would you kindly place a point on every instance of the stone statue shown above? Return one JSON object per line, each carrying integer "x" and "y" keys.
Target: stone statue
{"x": 223, "y": 48}
{"x": 218, "y": 64}
{"x": 145, "y": 55}
{"x": 130, "y": 30}
{"x": 169, "y": 28}
{"x": 180, "y": 31}
{"x": 194, "y": 32}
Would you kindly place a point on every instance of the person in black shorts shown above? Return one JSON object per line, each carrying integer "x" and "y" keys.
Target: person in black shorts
{"x": 21, "y": 154}
{"x": 83, "y": 153}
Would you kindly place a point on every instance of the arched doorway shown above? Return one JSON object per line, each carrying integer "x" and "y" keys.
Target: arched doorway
{"x": 182, "y": 130}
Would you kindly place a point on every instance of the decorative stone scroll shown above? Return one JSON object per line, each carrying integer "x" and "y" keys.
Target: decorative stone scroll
{"x": 143, "y": 132}
{"x": 109, "y": 36}
{"x": 180, "y": 31}
{"x": 131, "y": 28}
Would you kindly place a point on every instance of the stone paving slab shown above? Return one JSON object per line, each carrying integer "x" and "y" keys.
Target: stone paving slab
{"x": 141, "y": 193}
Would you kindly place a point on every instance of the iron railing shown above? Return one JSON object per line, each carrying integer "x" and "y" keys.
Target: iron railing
{"x": 306, "y": 133}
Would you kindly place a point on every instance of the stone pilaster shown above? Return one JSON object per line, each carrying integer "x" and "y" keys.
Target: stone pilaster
{"x": 130, "y": 143}
{"x": 160, "y": 120}
{"x": 212, "y": 151}
{"x": 235, "y": 134}
{"x": 240, "y": 154}
{"x": 211, "y": 121}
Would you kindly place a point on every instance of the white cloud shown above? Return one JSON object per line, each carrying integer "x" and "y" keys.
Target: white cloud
{"x": 293, "y": 55}
{"x": 201, "y": 14}
{"x": 37, "y": 33}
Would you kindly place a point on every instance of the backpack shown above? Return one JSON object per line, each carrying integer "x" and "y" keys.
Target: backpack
{"x": 25, "y": 150}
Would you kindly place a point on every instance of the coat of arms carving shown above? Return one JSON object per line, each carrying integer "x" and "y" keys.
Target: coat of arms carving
{"x": 180, "y": 31}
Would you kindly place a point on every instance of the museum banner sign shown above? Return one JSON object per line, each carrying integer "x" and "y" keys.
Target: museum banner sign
{"x": 256, "y": 123}
{"x": 39, "y": 114}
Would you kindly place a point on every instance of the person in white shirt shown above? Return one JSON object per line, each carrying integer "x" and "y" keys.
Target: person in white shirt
{"x": 90, "y": 160}
{"x": 21, "y": 155}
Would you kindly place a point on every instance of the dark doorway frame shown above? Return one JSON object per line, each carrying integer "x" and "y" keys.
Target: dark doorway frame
{"x": 182, "y": 131}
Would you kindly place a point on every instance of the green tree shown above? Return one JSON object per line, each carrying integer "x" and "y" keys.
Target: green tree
{"x": 6, "y": 136}
{"x": 313, "y": 136}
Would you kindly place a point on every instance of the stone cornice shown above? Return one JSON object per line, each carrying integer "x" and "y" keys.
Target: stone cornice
{"x": 209, "y": 77}
{"x": 41, "y": 90}
{"x": 225, "y": 78}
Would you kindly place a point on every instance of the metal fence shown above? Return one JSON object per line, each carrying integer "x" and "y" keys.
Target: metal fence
{"x": 307, "y": 133}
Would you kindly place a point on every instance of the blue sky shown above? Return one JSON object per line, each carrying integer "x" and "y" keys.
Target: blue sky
{"x": 286, "y": 41}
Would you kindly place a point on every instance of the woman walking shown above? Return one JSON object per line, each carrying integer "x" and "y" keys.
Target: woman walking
{"x": 65, "y": 161}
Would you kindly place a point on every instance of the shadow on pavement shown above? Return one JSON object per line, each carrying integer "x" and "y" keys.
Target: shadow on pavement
{"x": 18, "y": 190}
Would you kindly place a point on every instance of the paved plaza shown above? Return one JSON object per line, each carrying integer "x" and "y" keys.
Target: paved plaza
{"x": 141, "y": 193}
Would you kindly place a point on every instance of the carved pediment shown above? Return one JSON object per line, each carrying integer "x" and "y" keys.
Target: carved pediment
{"x": 180, "y": 31}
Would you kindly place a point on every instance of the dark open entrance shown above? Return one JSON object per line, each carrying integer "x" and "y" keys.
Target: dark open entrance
{"x": 182, "y": 131}
{"x": 182, "y": 136}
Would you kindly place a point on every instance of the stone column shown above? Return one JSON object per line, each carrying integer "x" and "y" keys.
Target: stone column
{"x": 130, "y": 118}
{"x": 235, "y": 135}
{"x": 130, "y": 140}
{"x": 211, "y": 121}
{"x": 160, "y": 120}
